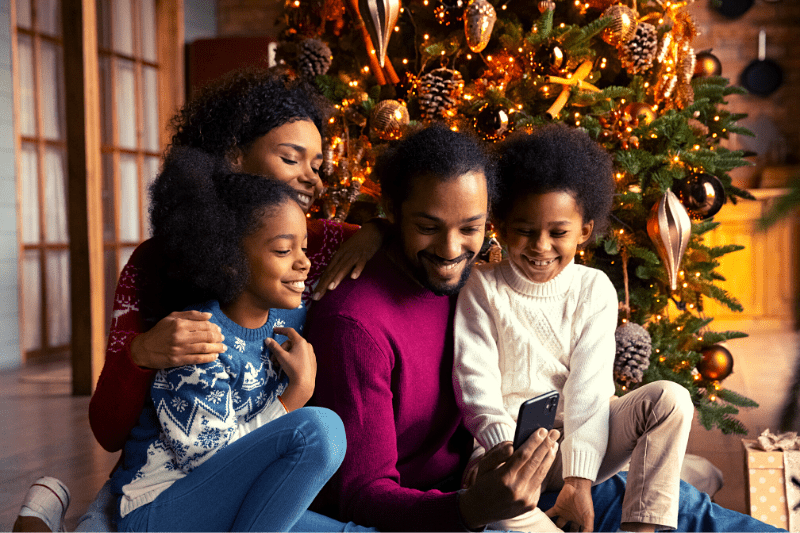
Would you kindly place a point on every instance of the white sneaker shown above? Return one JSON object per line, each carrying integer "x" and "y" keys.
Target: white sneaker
{"x": 48, "y": 500}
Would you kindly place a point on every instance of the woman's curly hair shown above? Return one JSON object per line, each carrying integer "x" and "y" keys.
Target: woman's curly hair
{"x": 241, "y": 107}
{"x": 200, "y": 211}
{"x": 435, "y": 151}
{"x": 556, "y": 157}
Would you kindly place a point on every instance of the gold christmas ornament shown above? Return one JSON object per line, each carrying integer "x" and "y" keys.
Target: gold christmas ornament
{"x": 707, "y": 64}
{"x": 479, "y": 19}
{"x": 622, "y": 27}
{"x": 546, "y": 5}
{"x": 716, "y": 364}
{"x": 670, "y": 227}
{"x": 639, "y": 113}
{"x": 379, "y": 17}
{"x": 388, "y": 119}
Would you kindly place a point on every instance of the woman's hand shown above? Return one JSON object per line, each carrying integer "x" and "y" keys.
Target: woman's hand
{"x": 351, "y": 257}
{"x": 296, "y": 358}
{"x": 180, "y": 338}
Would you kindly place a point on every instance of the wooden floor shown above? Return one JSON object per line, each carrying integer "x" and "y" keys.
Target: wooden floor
{"x": 45, "y": 430}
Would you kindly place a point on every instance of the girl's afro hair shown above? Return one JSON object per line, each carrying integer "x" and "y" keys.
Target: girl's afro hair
{"x": 200, "y": 211}
{"x": 556, "y": 157}
{"x": 239, "y": 108}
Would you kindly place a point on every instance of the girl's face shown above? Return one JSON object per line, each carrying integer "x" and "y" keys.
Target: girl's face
{"x": 277, "y": 260}
{"x": 291, "y": 153}
{"x": 543, "y": 232}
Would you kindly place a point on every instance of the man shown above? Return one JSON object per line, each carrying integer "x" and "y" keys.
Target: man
{"x": 384, "y": 346}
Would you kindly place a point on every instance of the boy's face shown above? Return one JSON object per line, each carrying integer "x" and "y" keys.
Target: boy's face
{"x": 441, "y": 227}
{"x": 543, "y": 232}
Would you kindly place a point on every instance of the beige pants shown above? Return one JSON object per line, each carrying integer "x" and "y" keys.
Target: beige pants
{"x": 649, "y": 427}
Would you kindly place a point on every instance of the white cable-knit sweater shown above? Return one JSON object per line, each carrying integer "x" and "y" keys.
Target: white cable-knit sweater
{"x": 516, "y": 339}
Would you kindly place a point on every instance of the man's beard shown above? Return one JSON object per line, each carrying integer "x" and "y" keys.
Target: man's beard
{"x": 439, "y": 289}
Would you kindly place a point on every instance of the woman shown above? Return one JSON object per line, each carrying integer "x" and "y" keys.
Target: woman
{"x": 260, "y": 124}
{"x": 256, "y": 122}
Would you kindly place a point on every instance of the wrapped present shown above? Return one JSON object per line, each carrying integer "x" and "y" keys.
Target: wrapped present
{"x": 772, "y": 473}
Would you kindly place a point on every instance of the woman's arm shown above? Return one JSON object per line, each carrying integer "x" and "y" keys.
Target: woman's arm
{"x": 343, "y": 249}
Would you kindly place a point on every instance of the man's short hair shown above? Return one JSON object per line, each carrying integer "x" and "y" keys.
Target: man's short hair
{"x": 435, "y": 151}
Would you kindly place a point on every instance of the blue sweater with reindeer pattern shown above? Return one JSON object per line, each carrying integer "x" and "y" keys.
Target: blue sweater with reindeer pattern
{"x": 196, "y": 410}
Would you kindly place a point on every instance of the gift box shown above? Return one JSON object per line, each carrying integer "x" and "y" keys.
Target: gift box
{"x": 772, "y": 476}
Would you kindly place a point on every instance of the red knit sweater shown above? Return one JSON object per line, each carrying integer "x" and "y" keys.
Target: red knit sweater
{"x": 144, "y": 296}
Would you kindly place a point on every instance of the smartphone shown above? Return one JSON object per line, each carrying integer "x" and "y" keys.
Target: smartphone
{"x": 539, "y": 412}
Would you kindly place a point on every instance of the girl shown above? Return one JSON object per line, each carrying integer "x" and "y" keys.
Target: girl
{"x": 224, "y": 445}
{"x": 538, "y": 322}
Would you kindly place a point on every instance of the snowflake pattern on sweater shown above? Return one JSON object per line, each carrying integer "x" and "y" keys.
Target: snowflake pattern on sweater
{"x": 197, "y": 410}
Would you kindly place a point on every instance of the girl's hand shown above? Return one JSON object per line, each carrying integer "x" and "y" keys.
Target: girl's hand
{"x": 351, "y": 257}
{"x": 180, "y": 338}
{"x": 296, "y": 358}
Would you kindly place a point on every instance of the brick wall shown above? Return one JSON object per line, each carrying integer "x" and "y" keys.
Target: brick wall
{"x": 248, "y": 17}
{"x": 776, "y": 118}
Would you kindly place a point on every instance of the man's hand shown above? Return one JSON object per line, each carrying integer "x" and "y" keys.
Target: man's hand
{"x": 180, "y": 338}
{"x": 574, "y": 504}
{"x": 350, "y": 258}
{"x": 508, "y": 483}
{"x": 296, "y": 357}
{"x": 471, "y": 471}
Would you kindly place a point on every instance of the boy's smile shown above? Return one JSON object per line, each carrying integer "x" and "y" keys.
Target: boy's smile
{"x": 543, "y": 233}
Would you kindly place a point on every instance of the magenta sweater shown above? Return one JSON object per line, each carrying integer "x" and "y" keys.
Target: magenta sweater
{"x": 384, "y": 348}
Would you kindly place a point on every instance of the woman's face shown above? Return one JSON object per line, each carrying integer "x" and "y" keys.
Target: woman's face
{"x": 291, "y": 153}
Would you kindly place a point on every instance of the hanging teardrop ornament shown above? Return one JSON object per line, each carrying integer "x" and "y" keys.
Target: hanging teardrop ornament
{"x": 379, "y": 17}
{"x": 479, "y": 19}
{"x": 670, "y": 227}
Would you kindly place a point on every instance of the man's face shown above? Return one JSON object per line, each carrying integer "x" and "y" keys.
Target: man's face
{"x": 441, "y": 227}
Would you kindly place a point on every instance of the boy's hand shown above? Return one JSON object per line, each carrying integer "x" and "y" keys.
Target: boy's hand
{"x": 296, "y": 358}
{"x": 574, "y": 504}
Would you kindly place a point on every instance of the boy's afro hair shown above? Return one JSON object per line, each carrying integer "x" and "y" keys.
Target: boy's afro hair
{"x": 556, "y": 157}
{"x": 200, "y": 211}
{"x": 435, "y": 151}
{"x": 242, "y": 106}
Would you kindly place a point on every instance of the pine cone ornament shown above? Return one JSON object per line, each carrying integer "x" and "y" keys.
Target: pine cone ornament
{"x": 633, "y": 353}
{"x": 314, "y": 58}
{"x": 439, "y": 91}
{"x": 638, "y": 53}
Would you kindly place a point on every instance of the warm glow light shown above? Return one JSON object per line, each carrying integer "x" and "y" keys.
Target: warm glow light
{"x": 426, "y": 36}
{"x": 405, "y": 61}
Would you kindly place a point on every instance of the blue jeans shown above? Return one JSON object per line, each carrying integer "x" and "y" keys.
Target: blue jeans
{"x": 264, "y": 481}
{"x": 696, "y": 510}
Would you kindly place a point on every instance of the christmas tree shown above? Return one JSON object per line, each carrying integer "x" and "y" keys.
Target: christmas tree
{"x": 625, "y": 72}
